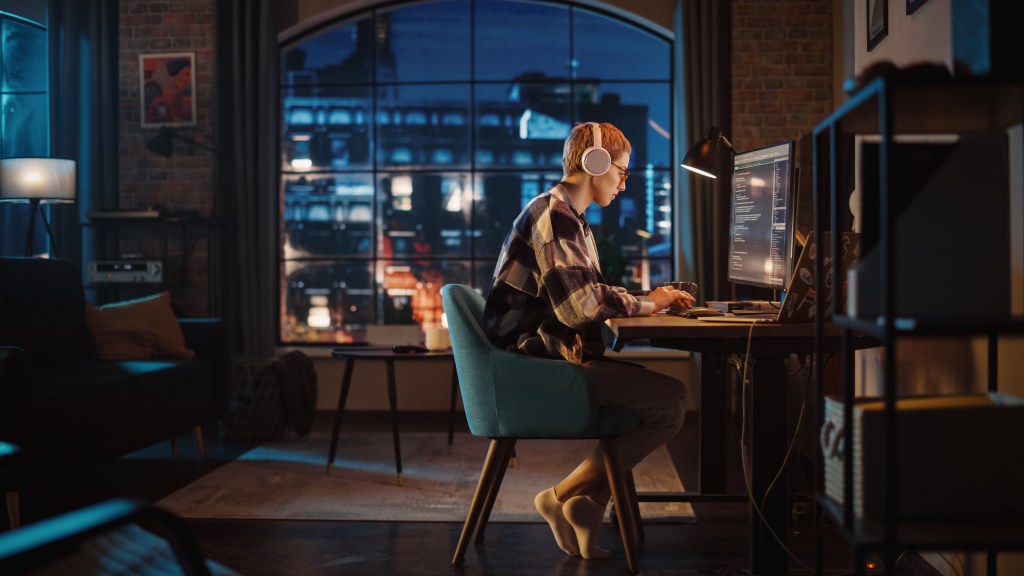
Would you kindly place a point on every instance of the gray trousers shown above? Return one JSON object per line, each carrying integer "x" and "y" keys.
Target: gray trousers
{"x": 659, "y": 401}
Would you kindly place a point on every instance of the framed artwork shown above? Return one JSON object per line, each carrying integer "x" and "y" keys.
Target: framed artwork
{"x": 878, "y": 21}
{"x": 167, "y": 85}
{"x": 913, "y": 5}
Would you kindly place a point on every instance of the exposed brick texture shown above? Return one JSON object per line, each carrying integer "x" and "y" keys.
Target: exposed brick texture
{"x": 184, "y": 181}
{"x": 781, "y": 69}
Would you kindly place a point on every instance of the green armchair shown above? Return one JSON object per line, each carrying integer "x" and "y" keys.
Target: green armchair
{"x": 508, "y": 396}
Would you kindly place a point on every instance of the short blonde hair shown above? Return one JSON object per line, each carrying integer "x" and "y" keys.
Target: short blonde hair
{"x": 581, "y": 137}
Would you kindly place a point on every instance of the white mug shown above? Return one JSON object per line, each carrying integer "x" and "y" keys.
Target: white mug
{"x": 437, "y": 339}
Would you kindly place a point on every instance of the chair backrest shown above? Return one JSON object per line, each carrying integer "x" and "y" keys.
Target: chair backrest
{"x": 464, "y": 308}
{"x": 508, "y": 394}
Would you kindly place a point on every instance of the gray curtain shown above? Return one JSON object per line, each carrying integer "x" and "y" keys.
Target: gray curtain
{"x": 83, "y": 43}
{"x": 246, "y": 136}
{"x": 703, "y": 49}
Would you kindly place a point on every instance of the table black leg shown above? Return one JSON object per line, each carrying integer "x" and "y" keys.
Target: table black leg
{"x": 393, "y": 399}
{"x": 451, "y": 409}
{"x": 346, "y": 381}
{"x": 767, "y": 448}
{"x": 714, "y": 411}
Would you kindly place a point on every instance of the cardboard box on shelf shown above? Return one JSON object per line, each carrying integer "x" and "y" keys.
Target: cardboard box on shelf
{"x": 959, "y": 456}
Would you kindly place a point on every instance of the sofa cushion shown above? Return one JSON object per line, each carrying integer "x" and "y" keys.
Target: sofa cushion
{"x": 45, "y": 303}
{"x": 138, "y": 329}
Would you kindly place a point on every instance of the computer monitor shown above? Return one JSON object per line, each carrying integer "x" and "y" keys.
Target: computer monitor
{"x": 762, "y": 205}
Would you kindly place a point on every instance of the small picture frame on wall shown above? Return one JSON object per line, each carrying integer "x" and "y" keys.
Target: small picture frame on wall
{"x": 913, "y": 5}
{"x": 878, "y": 21}
{"x": 167, "y": 87}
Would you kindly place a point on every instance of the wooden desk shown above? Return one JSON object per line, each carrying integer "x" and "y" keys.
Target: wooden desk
{"x": 770, "y": 346}
{"x": 389, "y": 358}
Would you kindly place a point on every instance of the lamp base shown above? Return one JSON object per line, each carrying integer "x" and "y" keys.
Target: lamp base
{"x": 35, "y": 208}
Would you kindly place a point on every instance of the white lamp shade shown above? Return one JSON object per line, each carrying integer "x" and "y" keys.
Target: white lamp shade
{"x": 46, "y": 180}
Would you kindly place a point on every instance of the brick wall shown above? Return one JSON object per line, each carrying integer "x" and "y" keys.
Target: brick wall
{"x": 782, "y": 69}
{"x": 184, "y": 181}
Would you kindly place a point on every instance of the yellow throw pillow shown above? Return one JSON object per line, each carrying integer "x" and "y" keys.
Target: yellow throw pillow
{"x": 138, "y": 329}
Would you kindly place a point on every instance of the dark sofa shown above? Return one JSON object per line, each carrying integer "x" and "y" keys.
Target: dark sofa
{"x": 67, "y": 409}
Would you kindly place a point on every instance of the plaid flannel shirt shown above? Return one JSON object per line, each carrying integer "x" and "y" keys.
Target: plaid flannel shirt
{"x": 548, "y": 297}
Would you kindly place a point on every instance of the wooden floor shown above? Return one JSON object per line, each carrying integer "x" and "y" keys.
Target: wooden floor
{"x": 715, "y": 545}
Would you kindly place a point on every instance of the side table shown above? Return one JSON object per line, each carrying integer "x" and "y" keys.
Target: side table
{"x": 389, "y": 357}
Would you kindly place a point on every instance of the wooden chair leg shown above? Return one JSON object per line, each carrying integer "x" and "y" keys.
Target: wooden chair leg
{"x": 13, "y": 509}
{"x": 619, "y": 489}
{"x": 198, "y": 433}
{"x": 490, "y": 469}
{"x": 507, "y": 450}
{"x": 638, "y": 525}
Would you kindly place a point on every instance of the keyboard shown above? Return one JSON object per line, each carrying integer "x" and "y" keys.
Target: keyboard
{"x": 695, "y": 312}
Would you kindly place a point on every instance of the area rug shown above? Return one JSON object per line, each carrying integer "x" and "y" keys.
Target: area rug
{"x": 287, "y": 479}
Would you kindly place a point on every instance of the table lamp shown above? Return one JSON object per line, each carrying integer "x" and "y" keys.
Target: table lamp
{"x": 36, "y": 181}
{"x": 702, "y": 157}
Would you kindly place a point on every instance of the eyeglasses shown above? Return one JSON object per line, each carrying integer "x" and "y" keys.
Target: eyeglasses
{"x": 625, "y": 172}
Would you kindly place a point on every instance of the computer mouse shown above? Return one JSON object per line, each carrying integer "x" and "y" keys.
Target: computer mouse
{"x": 408, "y": 349}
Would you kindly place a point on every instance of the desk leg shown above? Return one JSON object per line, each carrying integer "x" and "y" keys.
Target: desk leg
{"x": 714, "y": 416}
{"x": 393, "y": 399}
{"x": 451, "y": 409}
{"x": 767, "y": 449}
{"x": 346, "y": 381}
{"x": 13, "y": 510}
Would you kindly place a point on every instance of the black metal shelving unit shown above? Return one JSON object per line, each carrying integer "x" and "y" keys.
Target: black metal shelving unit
{"x": 884, "y": 113}
{"x": 163, "y": 233}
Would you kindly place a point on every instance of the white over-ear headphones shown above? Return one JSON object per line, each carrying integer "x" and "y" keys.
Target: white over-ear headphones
{"x": 596, "y": 160}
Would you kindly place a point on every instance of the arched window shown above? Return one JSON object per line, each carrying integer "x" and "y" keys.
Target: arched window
{"x": 467, "y": 104}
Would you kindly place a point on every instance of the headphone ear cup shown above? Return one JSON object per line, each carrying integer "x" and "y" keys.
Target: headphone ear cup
{"x": 596, "y": 161}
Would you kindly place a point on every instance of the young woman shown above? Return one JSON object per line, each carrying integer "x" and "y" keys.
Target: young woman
{"x": 548, "y": 298}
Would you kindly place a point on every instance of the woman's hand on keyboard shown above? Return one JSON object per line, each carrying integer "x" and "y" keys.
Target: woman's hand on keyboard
{"x": 665, "y": 296}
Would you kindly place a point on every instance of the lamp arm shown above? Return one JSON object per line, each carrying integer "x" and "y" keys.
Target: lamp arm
{"x": 200, "y": 144}
{"x": 726, "y": 140}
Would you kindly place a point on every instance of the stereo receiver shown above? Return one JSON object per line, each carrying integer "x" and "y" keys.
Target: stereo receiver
{"x": 125, "y": 272}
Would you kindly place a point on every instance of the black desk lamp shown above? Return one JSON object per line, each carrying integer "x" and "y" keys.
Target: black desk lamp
{"x": 702, "y": 157}
{"x": 36, "y": 181}
{"x": 163, "y": 144}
